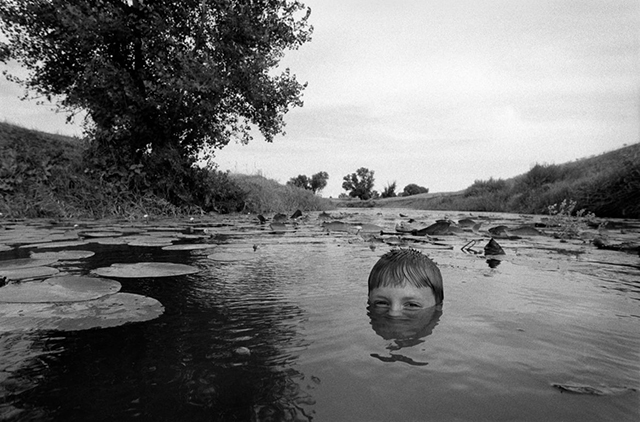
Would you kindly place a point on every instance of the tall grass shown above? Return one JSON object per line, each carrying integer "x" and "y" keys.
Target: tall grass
{"x": 47, "y": 176}
{"x": 264, "y": 195}
{"x": 607, "y": 185}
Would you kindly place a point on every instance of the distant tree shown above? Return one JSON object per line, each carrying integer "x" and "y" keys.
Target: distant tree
{"x": 359, "y": 184}
{"x": 413, "y": 189}
{"x": 316, "y": 183}
{"x": 389, "y": 191}
{"x": 301, "y": 181}
{"x": 319, "y": 181}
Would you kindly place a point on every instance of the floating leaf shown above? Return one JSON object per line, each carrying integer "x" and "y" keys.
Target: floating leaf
{"x": 146, "y": 270}
{"x": 150, "y": 241}
{"x": 101, "y": 234}
{"x": 20, "y": 263}
{"x": 188, "y": 247}
{"x": 59, "y": 289}
{"x": 110, "y": 240}
{"x": 493, "y": 248}
{"x": 525, "y": 231}
{"x": 52, "y": 245}
{"x": 27, "y": 273}
{"x": 62, "y": 255}
{"x": 369, "y": 228}
{"x": 107, "y": 311}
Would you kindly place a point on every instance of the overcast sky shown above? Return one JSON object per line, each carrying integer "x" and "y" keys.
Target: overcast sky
{"x": 442, "y": 92}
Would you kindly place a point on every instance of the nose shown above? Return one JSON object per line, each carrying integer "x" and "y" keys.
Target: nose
{"x": 395, "y": 310}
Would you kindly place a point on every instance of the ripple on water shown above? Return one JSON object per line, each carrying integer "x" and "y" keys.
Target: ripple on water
{"x": 549, "y": 313}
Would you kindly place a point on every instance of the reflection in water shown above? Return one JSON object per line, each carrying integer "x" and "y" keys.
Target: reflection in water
{"x": 492, "y": 262}
{"x": 407, "y": 330}
{"x": 292, "y": 307}
{"x": 185, "y": 360}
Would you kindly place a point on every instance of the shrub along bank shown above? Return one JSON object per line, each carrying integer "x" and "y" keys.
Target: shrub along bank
{"x": 607, "y": 185}
{"x": 45, "y": 175}
{"x": 53, "y": 176}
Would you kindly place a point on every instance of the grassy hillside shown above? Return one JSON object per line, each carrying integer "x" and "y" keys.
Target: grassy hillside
{"x": 607, "y": 185}
{"x": 44, "y": 175}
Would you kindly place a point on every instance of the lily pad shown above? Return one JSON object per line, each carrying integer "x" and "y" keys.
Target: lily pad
{"x": 150, "y": 241}
{"x": 101, "y": 234}
{"x": 110, "y": 240}
{"x": 53, "y": 245}
{"x": 59, "y": 289}
{"x": 27, "y": 273}
{"x": 188, "y": 247}
{"x": 63, "y": 255}
{"x": 369, "y": 228}
{"x": 20, "y": 263}
{"x": 107, "y": 311}
{"x": 145, "y": 270}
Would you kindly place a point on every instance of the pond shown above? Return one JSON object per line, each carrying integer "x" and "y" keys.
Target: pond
{"x": 268, "y": 321}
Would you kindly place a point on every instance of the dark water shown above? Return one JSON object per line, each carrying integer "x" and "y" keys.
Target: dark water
{"x": 507, "y": 340}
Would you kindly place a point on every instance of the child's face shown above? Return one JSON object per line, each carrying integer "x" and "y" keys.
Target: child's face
{"x": 398, "y": 301}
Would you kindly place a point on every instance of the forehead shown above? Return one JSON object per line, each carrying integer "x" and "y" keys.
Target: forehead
{"x": 406, "y": 291}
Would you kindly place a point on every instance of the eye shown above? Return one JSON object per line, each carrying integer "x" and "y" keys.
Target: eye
{"x": 380, "y": 303}
{"x": 413, "y": 305}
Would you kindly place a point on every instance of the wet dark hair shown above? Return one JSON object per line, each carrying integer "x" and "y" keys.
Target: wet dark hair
{"x": 400, "y": 266}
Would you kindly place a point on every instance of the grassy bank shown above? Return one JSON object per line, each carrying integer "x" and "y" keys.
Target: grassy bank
{"x": 607, "y": 185}
{"x": 47, "y": 176}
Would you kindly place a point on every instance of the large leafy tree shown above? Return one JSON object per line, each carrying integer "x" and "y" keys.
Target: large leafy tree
{"x": 359, "y": 184}
{"x": 154, "y": 75}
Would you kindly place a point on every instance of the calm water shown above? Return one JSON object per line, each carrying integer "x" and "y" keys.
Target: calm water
{"x": 550, "y": 314}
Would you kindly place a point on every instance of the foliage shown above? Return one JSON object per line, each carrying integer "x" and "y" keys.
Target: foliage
{"x": 607, "y": 184}
{"x": 482, "y": 187}
{"x": 540, "y": 175}
{"x": 45, "y": 176}
{"x": 316, "y": 183}
{"x": 319, "y": 181}
{"x": 615, "y": 192}
{"x": 266, "y": 196}
{"x": 301, "y": 181}
{"x": 568, "y": 222}
{"x": 389, "y": 191}
{"x": 160, "y": 81}
{"x": 360, "y": 183}
{"x": 413, "y": 189}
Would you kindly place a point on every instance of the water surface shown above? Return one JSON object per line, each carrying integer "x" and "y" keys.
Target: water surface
{"x": 283, "y": 332}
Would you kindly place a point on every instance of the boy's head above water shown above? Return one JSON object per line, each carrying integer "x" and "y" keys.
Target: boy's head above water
{"x": 405, "y": 280}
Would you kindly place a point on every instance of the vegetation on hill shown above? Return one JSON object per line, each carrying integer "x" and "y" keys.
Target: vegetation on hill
{"x": 43, "y": 175}
{"x": 607, "y": 185}
{"x": 160, "y": 83}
